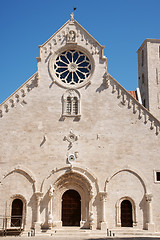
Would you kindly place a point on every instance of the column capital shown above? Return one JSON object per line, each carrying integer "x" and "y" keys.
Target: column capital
{"x": 148, "y": 197}
{"x": 38, "y": 195}
{"x": 103, "y": 196}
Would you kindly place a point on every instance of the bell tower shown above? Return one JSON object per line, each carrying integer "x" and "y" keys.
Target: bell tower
{"x": 149, "y": 75}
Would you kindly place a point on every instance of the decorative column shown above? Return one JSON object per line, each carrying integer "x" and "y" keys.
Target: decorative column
{"x": 103, "y": 197}
{"x": 50, "y": 212}
{"x": 149, "y": 224}
{"x": 91, "y": 218}
{"x": 37, "y": 224}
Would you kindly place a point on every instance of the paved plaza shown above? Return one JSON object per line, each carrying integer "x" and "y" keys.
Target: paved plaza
{"x": 77, "y": 238}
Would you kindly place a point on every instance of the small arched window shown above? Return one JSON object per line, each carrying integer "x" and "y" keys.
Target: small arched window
{"x": 71, "y": 104}
{"x": 75, "y": 105}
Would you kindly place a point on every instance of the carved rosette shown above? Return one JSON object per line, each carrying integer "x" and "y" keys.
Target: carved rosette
{"x": 71, "y": 138}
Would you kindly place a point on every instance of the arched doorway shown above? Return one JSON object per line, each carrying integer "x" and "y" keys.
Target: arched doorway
{"x": 17, "y": 213}
{"x": 71, "y": 208}
{"x": 126, "y": 214}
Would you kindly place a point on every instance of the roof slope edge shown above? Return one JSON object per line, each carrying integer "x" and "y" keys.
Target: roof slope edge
{"x": 18, "y": 96}
{"x": 128, "y": 100}
{"x": 68, "y": 22}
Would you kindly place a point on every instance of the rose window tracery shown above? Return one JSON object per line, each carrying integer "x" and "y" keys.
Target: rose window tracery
{"x": 72, "y": 67}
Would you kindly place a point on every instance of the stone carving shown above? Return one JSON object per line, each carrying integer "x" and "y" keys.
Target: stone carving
{"x": 137, "y": 108}
{"x": 91, "y": 220}
{"x": 149, "y": 197}
{"x": 51, "y": 190}
{"x": 19, "y": 95}
{"x": 71, "y": 36}
{"x": 71, "y": 138}
{"x": 72, "y": 17}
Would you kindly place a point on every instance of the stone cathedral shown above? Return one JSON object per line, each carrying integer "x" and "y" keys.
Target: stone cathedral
{"x": 77, "y": 149}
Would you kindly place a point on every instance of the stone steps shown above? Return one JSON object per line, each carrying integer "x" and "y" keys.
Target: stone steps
{"x": 134, "y": 232}
{"x": 74, "y": 232}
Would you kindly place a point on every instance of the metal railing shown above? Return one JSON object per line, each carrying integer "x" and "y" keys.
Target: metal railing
{"x": 11, "y": 225}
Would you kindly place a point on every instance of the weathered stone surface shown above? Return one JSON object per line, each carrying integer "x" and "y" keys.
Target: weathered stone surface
{"x": 92, "y": 137}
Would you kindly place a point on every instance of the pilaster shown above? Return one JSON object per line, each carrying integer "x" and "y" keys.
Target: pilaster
{"x": 150, "y": 224}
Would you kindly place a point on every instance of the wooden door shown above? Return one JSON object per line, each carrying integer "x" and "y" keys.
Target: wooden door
{"x": 71, "y": 208}
{"x": 126, "y": 214}
{"x": 16, "y": 215}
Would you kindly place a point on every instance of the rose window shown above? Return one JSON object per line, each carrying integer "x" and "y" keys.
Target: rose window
{"x": 72, "y": 67}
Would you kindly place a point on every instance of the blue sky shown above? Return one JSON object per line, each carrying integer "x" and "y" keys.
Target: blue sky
{"x": 120, "y": 25}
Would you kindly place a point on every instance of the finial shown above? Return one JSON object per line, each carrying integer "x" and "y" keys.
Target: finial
{"x": 72, "y": 15}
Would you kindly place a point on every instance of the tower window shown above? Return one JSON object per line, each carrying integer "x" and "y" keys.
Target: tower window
{"x": 142, "y": 78}
{"x": 158, "y": 176}
{"x": 144, "y": 102}
{"x": 159, "y": 51}
{"x": 142, "y": 58}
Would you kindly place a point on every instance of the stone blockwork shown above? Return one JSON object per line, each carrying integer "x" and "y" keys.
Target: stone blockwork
{"x": 149, "y": 75}
{"x": 90, "y": 136}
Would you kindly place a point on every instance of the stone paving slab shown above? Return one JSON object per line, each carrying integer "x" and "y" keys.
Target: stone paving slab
{"x": 76, "y": 238}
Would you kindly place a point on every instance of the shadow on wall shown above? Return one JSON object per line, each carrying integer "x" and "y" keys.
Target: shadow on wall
{"x": 143, "y": 207}
{"x": 32, "y": 204}
{"x": 44, "y": 207}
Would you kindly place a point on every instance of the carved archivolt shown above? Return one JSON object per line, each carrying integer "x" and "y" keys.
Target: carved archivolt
{"x": 57, "y": 174}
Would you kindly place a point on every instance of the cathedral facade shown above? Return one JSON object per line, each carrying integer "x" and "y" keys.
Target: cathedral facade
{"x": 77, "y": 149}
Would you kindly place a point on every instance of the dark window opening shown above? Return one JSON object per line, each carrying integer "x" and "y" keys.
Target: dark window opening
{"x": 142, "y": 78}
{"x": 158, "y": 176}
{"x": 142, "y": 58}
{"x": 144, "y": 102}
{"x": 75, "y": 105}
{"x": 69, "y": 105}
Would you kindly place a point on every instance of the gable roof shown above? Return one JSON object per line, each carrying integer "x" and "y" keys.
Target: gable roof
{"x": 126, "y": 98}
{"x": 64, "y": 25}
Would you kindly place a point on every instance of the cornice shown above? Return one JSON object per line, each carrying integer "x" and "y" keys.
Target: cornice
{"x": 131, "y": 103}
{"x": 18, "y": 97}
{"x": 148, "y": 40}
